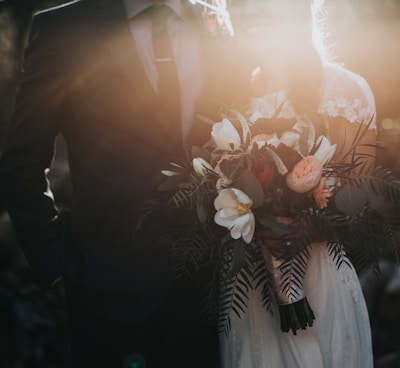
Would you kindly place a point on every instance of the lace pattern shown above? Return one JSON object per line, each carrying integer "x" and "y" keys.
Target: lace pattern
{"x": 346, "y": 95}
{"x": 347, "y": 275}
{"x": 353, "y": 111}
{"x": 342, "y": 325}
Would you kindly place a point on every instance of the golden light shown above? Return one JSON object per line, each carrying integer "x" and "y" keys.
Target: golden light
{"x": 387, "y": 124}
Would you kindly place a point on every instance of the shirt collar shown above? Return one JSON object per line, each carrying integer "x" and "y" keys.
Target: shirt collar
{"x": 135, "y": 7}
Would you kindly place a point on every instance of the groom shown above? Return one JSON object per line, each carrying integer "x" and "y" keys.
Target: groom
{"x": 93, "y": 74}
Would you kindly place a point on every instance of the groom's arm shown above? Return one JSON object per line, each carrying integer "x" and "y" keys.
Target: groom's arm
{"x": 28, "y": 151}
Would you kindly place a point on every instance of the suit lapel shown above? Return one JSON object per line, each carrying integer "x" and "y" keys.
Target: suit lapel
{"x": 113, "y": 27}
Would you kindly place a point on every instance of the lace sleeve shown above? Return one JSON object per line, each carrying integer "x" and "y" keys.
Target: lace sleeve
{"x": 347, "y": 95}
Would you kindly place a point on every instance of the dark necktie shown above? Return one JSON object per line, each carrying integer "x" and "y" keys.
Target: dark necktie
{"x": 168, "y": 84}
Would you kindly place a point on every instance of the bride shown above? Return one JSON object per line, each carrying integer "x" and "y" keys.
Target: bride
{"x": 291, "y": 74}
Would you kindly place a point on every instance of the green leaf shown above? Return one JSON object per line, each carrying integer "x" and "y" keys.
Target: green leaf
{"x": 239, "y": 258}
{"x": 276, "y": 227}
{"x": 244, "y": 124}
{"x": 350, "y": 200}
{"x": 201, "y": 212}
{"x": 374, "y": 199}
{"x": 172, "y": 182}
{"x": 200, "y": 152}
{"x": 248, "y": 183}
{"x": 338, "y": 254}
{"x": 391, "y": 230}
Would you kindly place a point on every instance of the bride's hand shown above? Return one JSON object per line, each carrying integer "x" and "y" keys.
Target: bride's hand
{"x": 275, "y": 244}
{"x": 286, "y": 246}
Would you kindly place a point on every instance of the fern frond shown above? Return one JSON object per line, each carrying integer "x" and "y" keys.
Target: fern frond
{"x": 391, "y": 233}
{"x": 293, "y": 271}
{"x": 362, "y": 246}
{"x": 375, "y": 181}
{"x": 234, "y": 293}
{"x": 337, "y": 253}
{"x": 232, "y": 299}
{"x": 262, "y": 277}
{"x": 210, "y": 304}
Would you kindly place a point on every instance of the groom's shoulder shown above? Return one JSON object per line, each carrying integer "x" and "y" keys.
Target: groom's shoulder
{"x": 62, "y": 19}
{"x": 69, "y": 12}
{"x": 63, "y": 9}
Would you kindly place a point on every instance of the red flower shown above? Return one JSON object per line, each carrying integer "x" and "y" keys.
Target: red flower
{"x": 264, "y": 172}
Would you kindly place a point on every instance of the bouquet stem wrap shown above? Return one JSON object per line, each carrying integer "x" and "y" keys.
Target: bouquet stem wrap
{"x": 294, "y": 310}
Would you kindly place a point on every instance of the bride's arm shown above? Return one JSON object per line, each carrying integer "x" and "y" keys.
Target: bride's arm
{"x": 348, "y": 110}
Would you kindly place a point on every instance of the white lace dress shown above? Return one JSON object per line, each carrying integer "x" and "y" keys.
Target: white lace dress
{"x": 340, "y": 336}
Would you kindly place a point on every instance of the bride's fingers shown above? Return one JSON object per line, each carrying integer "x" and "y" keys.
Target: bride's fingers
{"x": 288, "y": 221}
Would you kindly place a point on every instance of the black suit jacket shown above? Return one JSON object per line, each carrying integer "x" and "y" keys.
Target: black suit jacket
{"x": 82, "y": 77}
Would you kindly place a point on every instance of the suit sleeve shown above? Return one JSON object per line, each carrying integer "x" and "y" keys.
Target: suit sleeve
{"x": 27, "y": 153}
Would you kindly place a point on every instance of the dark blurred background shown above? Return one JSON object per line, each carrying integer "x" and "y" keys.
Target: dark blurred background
{"x": 364, "y": 36}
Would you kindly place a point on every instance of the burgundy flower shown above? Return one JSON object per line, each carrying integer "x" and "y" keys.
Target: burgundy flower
{"x": 288, "y": 155}
{"x": 264, "y": 172}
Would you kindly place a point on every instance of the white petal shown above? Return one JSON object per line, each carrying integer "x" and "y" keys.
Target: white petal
{"x": 242, "y": 225}
{"x": 169, "y": 172}
{"x": 225, "y": 135}
{"x": 248, "y": 232}
{"x": 325, "y": 150}
{"x": 236, "y": 228}
{"x": 232, "y": 134}
{"x": 291, "y": 139}
{"x": 229, "y": 213}
{"x": 224, "y": 221}
{"x": 226, "y": 198}
{"x": 201, "y": 166}
{"x": 274, "y": 141}
{"x": 256, "y": 115}
{"x": 197, "y": 166}
{"x": 242, "y": 197}
{"x": 176, "y": 165}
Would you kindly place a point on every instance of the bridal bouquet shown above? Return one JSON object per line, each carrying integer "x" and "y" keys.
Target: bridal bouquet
{"x": 260, "y": 192}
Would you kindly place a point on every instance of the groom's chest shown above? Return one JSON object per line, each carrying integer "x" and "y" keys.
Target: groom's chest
{"x": 118, "y": 58}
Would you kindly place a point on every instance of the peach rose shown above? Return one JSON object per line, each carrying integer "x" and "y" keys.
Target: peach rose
{"x": 305, "y": 175}
{"x": 321, "y": 193}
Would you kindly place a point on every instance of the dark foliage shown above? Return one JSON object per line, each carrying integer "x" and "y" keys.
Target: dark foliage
{"x": 32, "y": 323}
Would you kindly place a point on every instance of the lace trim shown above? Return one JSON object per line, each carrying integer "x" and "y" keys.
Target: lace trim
{"x": 352, "y": 111}
{"x": 348, "y": 279}
{"x": 347, "y": 275}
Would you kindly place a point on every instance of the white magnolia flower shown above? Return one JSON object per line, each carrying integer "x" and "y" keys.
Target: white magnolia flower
{"x": 169, "y": 172}
{"x": 172, "y": 172}
{"x": 225, "y": 135}
{"x": 291, "y": 139}
{"x": 261, "y": 140}
{"x": 325, "y": 150}
{"x": 234, "y": 212}
{"x": 201, "y": 166}
{"x": 256, "y": 115}
{"x": 274, "y": 141}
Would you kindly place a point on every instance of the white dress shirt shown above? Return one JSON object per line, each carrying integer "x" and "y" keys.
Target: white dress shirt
{"x": 186, "y": 48}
